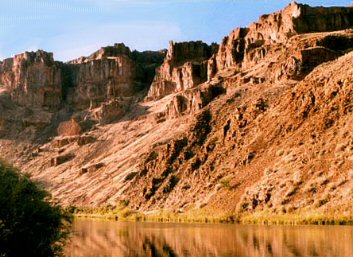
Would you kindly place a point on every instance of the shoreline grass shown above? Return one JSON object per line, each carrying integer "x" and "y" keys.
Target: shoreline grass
{"x": 303, "y": 218}
{"x": 158, "y": 216}
{"x": 204, "y": 216}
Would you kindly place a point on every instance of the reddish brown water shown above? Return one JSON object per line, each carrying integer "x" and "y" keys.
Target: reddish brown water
{"x": 107, "y": 239}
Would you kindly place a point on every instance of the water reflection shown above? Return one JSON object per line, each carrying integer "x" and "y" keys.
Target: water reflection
{"x": 108, "y": 239}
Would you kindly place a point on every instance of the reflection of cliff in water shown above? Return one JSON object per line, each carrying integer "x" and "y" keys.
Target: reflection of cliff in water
{"x": 107, "y": 239}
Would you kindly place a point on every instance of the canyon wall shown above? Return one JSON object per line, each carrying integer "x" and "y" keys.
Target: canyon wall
{"x": 36, "y": 80}
{"x": 102, "y": 86}
{"x": 185, "y": 66}
{"x": 33, "y": 79}
{"x": 270, "y": 124}
{"x": 190, "y": 64}
{"x": 111, "y": 72}
{"x": 278, "y": 27}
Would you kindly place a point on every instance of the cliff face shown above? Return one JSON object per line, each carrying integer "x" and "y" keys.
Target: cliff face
{"x": 188, "y": 65}
{"x": 184, "y": 67}
{"x": 96, "y": 81}
{"x": 269, "y": 125}
{"x": 33, "y": 79}
{"x": 274, "y": 145}
{"x": 36, "y": 80}
{"x": 278, "y": 28}
{"x": 98, "y": 88}
{"x": 109, "y": 73}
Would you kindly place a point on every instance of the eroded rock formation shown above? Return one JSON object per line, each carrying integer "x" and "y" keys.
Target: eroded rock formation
{"x": 33, "y": 79}
{"x": 246, "y": 47}
{"x": 184, "y": 67}
{"x": 270, "y": 127}
{"x": 38, "y": 91}
{"x": 251, "y": 43}
{"x": 109, "y": 73}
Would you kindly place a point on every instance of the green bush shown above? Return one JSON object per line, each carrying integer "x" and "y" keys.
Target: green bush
{"x": 29, "y": 224}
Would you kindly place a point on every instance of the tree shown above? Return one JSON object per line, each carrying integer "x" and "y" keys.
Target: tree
{"x": 29, "y": 224}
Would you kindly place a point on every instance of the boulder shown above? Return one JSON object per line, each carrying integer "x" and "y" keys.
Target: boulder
{"x": 91, "y": 168}
{"x": 69, "y": 128}
{"x": 60, "y": 159}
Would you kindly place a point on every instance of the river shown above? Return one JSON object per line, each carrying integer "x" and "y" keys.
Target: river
{"x": 95, "y": 238}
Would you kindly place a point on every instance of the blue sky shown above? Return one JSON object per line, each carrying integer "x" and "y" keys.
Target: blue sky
{"x": 72, "y": 28}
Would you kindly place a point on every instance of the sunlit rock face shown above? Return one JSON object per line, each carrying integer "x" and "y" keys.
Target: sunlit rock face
{"x": 33, "y": 79}
{"x": 184, "y": 67}
{"x": 109, "y": 73}
{"x": 278, "y": 28}
{"x": 106, "y": 74}
{"x": 267, "y": 108}
{"x": 190, "y": 64}
{"x": 106, "y": 82}
{"x": 100, "y": 86}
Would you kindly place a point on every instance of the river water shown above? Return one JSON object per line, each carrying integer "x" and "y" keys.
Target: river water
{"x": 94, "y": 238}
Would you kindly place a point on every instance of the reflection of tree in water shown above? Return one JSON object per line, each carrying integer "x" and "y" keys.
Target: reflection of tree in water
{"x": 147, "y": 246}
{"x": 154, "y": 251}
{"x": 111, "y": 239}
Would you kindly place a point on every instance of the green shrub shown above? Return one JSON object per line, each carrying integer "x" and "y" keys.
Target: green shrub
{"x": 29, "y": 224}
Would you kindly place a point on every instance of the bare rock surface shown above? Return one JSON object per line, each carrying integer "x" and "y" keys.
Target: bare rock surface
{"x": 33, "y": 79}
{"x": 261, "y": 123}
{"x": 278, "y": 28}
{"x": 185, "y": 66}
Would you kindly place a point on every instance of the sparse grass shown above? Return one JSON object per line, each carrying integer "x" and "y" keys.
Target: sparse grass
{"x": 308, "y": 217}
{"x": 304, "y": 218}
{"x": 109, "y": 213}
{"x": 225, "y": 182}
{"x": 125, "y": 214}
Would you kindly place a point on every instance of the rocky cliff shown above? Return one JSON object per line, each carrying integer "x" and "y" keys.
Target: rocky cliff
{"x": 185, "y": 66}
{"x": 111, "y": 72}
{"x": 260, "y": 123}
{"x": 33, "y": 79}
{"x": 245, "y": 45}
{"x": 99, "y": 88}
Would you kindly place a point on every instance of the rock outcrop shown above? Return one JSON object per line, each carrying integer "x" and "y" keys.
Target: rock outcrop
{"x": 193, "y": 100}
{"x": 184, "y": 67}
{"x": 38, "y": 92}
{"x": 33, "y": 79}
{"x": 104, "y": 81}
{"x": 111, "y": 110}
{"x": 278, "y": 28}
{"x": 270, "y": 130}
{"x": 188, "y": 65}
{"x": 109, "y": 73}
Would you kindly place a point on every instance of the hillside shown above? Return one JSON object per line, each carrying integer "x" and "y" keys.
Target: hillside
{"x": 262, "y": 121}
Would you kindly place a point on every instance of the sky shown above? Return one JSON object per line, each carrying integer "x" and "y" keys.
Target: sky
{"x": 74, "y": 28}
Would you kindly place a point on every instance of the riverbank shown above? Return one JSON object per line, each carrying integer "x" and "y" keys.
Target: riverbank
{"x": 204, "y": 216}
{"x": 195, "y": 216}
